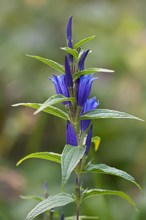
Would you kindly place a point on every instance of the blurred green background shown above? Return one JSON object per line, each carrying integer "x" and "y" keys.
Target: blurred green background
{"x": 38, "y": 27}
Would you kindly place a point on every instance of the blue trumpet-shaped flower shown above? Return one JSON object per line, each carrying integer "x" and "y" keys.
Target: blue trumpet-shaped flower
{"x": 88, "y": 140}
{"x": 68, "y": 74}
{"x": 71, "y": 137}
{"x": 82, "y": 60}
{"x": 60, "y": 85}
{"x": 84, "y": 88}
{"x": 89, "y": 105}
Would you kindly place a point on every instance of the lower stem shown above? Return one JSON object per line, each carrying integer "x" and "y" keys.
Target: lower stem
{"x": 78, "y": 194}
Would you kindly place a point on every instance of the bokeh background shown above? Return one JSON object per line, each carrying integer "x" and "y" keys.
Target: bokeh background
{"x": 38, "y": 27}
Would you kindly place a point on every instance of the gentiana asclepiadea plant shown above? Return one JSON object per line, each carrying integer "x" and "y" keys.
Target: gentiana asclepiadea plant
{"x": 73, "y": 87}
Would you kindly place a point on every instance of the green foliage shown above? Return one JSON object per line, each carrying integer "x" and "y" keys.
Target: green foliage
{"x": 51, "y": 202}
{"x": 104, "y": 169}
{"x": 32, "y": 197}
{"x": 54, "y": 157}
{"x": 94, "y": 192}
{"x": 54, "y": 65}
{"x": 50, "y": 109}
{"x": 83, "y": 41}
{"x": 89, "y": 71}
{"x": 55, "y": 99}
{"x": 106, "y": 113}
{"x": 70, "y": 158}
{"x": 71, "y": 51}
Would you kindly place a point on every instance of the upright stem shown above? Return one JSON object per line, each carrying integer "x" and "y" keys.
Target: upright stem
{"x": 78, "y": 195}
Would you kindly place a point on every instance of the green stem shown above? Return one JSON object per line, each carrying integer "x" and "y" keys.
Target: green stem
{"x": 78, "y": 197}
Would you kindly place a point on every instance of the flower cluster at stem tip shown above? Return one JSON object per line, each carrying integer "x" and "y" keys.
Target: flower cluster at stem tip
{"x": 77, "y": 133}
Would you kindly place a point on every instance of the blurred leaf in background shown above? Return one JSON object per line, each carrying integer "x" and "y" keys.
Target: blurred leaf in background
{"x": 37, "y": 27}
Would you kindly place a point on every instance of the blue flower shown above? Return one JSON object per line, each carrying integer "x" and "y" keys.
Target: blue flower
{"x": 68, "y": 74}
{"x": 84, "y": 88}
{"x": 60, "y": 85}
{"x": 89, "y": 105}
{"x": 82, "y": 60}
{"x": 88, "y": 140}
{"x": 71, "y": 137}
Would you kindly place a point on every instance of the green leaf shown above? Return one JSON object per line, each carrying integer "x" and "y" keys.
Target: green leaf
{"x": 83, "y": 41}
{"x": 54, "y": 157}
{"x": 81, "y": 217}
{"x": 55, "y": 99}
{"x": 106, "y": 113}
{"x": 51, "y": 63}
{"x": 50, "y": 109}
{"x": 94, "y": 192}
{"x": 36, "y": 198}
{"x": 89, "y": 71}
{"x": 104, "y": 169}
{"x": 71, "y": 156}
{"x": 71, "y": 51}
{"x": 51, "y": 202}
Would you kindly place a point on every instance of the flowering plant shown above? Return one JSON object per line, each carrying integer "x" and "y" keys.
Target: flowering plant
{"x": 73, "y": 88}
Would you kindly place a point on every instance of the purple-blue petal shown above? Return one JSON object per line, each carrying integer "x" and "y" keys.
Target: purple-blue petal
{"x": 71, "y": 137}
{"x": 68, "y": 74}
{"x": 89, "y": 105}
{"x": 84, "y": 88}
{"x": 82, "y": 60}
{"x": 88, "y": 140}
{"x": 60, "y": 85}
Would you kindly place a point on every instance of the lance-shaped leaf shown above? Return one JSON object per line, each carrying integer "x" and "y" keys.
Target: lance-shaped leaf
{"x": 91, "y": 70}
{"x": 83, "y": 41}
{"x": 54, "y": 65}
{"x": 54, "y": 157}
{"x": 106, "y": 113}
{"x": 71, "y": 156}
{"x": 51, "y": 202}
{"x": 50, "y": 109}
{"x": 81, "y": 217}
{"x": 55, "y": 99}
{"x": 104, "y": 169}
{"x": 94, "y": 192}
{"x": 71, "y": 51}
{"x": 32, "y": 197}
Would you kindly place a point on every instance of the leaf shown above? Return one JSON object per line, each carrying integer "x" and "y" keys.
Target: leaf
{"x": 106, "y": 113}
{"x": 89, "y": 71}
{"x": 50, "y": 63}
{"x": 71, "y": 51}
{"x": 54, "y": 157}
{"x": 104, "y": 169}
{"x": 51, "y": 202}
{"x": 94, "y": 192}
{"x": 96, "y": 141}
{"x": 50, "y": 109}
{"x": 53, "y": 100}
{"x": 71, "y": 156}
{"x": 36, "y": 198}
{"x": 81, "y": 217}
{"x": 83, "y": 41}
